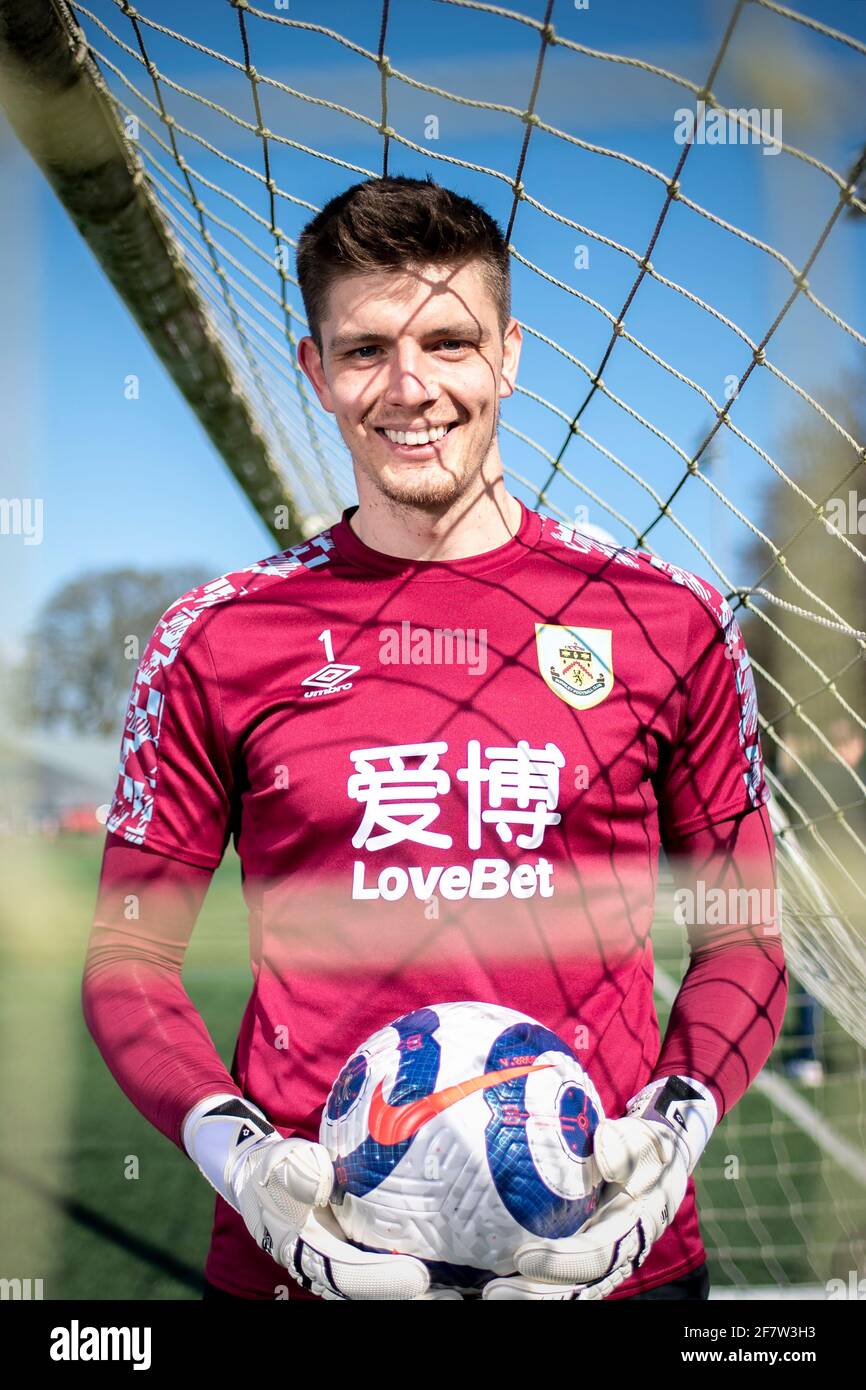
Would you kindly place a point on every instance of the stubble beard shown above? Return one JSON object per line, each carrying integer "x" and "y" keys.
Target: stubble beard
{"x": 435, "y": 494}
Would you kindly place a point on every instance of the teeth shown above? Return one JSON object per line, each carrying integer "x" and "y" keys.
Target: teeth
{"x": 417, "y": 436}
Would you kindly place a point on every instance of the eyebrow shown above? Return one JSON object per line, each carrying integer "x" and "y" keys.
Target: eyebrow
{"x": 464, "y": 328}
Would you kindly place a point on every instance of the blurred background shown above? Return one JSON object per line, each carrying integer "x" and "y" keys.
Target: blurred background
{"x": 692, "y": 382}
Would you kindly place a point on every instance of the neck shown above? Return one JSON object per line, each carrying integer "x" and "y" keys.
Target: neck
{"x": 470, "y": 525}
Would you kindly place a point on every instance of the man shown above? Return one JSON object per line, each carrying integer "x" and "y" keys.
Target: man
{"x": 448, "y": 736}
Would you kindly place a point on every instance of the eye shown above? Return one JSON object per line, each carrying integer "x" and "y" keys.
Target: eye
{"x": 451, "y": 343}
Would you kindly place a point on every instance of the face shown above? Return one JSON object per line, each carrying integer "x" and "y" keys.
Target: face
{"x": 409, "y": 353}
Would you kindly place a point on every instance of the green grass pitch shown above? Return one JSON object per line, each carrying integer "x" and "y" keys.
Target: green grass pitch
{"x": 98, "y": 1205}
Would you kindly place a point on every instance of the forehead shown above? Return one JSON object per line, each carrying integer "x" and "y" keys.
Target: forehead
{"x": 416, "y": 301}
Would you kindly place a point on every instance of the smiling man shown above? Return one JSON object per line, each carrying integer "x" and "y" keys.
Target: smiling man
{"x": 415, "y": 826}
{"x": 423, "y": 439}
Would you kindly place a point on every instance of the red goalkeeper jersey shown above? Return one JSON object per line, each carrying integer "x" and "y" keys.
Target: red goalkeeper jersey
{"x": 445, "y": 780}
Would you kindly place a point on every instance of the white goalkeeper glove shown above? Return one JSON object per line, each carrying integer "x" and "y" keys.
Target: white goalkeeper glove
{"x": 281, "y": 1189}
{"x": 645, "y": 1159}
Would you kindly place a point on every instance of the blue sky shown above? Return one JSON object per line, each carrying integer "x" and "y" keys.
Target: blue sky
{"x": 137, "y": 482}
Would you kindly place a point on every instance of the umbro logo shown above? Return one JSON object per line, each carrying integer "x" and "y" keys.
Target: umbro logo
{"x": 329, "y": 679}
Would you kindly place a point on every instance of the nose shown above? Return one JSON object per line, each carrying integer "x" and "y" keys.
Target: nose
{"x": 411, "y": 377}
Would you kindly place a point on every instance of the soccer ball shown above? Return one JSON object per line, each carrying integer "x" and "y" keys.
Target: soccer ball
{"x": 457, "y": 1132}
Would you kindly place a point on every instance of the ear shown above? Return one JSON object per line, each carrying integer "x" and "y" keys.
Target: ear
{"x": 310, "y": 361}
{"x": 511, "y": 346}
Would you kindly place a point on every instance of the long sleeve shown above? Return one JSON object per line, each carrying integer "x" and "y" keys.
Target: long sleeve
{"x": 729, "y": 1009}
{"x": 152, "y": 1037}
{"x": 168, "y": 826}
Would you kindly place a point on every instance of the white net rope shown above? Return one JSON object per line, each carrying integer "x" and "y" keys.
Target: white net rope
{"x": 240, "y": 255}
{"x": 221, "y": 140}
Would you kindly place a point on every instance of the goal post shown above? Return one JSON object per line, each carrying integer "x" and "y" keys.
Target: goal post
{"x": 55, "y": 100}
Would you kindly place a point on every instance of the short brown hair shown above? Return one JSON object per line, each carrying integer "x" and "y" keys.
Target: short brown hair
{"x": 398, "y": 223}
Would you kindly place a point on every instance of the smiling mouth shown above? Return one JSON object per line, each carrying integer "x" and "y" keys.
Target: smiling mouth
{"x": 406, "y": 443}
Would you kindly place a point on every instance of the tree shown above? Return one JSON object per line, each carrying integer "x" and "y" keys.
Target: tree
{"x": 804, "y": 707}
{"x": 83, "y": 648}
{"x": 825, "y": 466}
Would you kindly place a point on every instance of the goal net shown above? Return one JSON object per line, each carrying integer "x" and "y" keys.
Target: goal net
{"x": 685, "y": 249}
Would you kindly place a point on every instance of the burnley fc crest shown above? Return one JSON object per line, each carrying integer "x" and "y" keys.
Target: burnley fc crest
{"x": 576, "y": 663}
